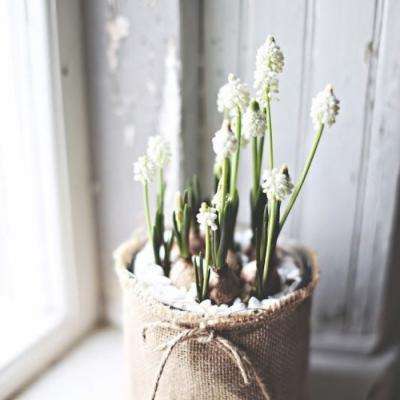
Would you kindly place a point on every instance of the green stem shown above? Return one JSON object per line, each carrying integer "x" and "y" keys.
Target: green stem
{"x": 224, "y": 178}
{"x": 272, "y": 222}
{"x": 207, "y": 263}
{"x": 256, "y": 181}
{"x": 147, "y": 211}
{"x": 260, "y": 156}
{"x": 236, "y": 156}
{"x": 161, "y": 189}
{"x": 303, "y": 176}
{"x": 270, "y": 144}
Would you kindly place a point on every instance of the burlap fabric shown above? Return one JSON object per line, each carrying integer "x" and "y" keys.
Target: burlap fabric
{"x": 174, "y": 354}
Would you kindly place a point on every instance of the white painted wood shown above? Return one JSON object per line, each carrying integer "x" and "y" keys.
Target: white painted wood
{"x": 220, "y": 57}
{"x": 70, "y": 109}
{"x": 381, "y": 201}
{"x": 190, "y": 62}
{"x": 353, "y": 376}
{"x": 336, "y": 214}
{"x": 328, "y": 204}
{"x": 92, "y": 370}
{"x": 124, "y": 111}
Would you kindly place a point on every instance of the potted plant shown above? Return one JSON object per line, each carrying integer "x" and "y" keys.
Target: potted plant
{"x": 212, "y": 312}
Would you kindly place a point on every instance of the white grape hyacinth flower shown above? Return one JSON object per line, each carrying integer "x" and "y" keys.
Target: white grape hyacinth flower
{"x": 276, "y": 184}
{"x": 269, "y": 63}
{"x": 143, "y": 170}
{"x": 207, "y": 217}
{"x": 324, "y": 108}
{"x": 233, "y": 95}
{"x": 254, "y": 123}
{"x": 224, "y": 142}
{"x": 159, "y": 151}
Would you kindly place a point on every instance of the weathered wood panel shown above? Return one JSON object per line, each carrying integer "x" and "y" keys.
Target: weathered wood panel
{"x": 220, "y": 57}
{"x": 329, "y": 202}
{"x": 125, "y": 105}
{"x": 323, "y": 42}
{"x": 381, "y": 200}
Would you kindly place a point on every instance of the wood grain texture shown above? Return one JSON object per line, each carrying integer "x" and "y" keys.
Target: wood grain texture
{"x": 124, "y": 111}
{"x": 220, "y": 57}
{"x": 329, "y": 202}
{"x": 382, "y": 179}
{"x": 323, "y": 42}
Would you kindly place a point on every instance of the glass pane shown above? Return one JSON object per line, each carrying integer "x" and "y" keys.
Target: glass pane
{"x": 30, "y": 259}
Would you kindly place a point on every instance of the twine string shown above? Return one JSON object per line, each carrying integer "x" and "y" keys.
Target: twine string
{"x": 203, "y": 335}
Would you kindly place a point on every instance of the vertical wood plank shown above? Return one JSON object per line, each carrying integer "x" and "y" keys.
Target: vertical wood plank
{"x": 124, "y": 111}
{"x": 220, "y": 57}
{"x": 328, "y": 203}
{"x": 189, "y": 35}
{"x": 382, "y": 179}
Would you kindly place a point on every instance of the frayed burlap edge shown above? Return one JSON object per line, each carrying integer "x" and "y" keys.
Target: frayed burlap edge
{"x": 240, "y": 320}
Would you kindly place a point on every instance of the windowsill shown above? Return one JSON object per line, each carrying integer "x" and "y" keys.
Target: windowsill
{"x": 92, "y": 370}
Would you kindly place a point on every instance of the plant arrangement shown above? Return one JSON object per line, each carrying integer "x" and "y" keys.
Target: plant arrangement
{"x": 203, "y": 231}
{"x": 229, "y": 292}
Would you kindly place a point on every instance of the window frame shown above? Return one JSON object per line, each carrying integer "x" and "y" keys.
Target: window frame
{"x": 70, "y": 126}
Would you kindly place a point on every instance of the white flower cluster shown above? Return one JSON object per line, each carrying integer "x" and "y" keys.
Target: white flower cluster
{"x": 144, "y": 169}
{"x": 276, "y": 184}
{"x": 233, "y": 95}
{"x": 269, "y": 64}
{"x": 206, "y": 217}
{"x": 158, "y": 155}
{"x": 224, "y": 142}
{"x": 324, "y": 108}
{"x": 159, "y": 151}
{"x": 254, "y": 123}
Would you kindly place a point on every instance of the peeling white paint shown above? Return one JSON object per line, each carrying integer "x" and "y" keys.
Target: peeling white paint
{"x": 117, "y": 29}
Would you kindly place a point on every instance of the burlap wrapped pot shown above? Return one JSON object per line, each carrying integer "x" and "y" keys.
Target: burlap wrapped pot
{"x": 174, "y": 354}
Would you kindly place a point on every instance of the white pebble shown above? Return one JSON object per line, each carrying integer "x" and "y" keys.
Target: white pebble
{"x": 254, "y": 303}
{"x": 157, "y": 280}
{"x": 206, "y": 304}
{"x": 169, "y": 294}
{"x": 192, "y": 292}
{"x": 237, "y": 305}
{"x": 267, "y": 303}
{"x": 212, "y": 310}
{"x": 142, "y": 270}
{"x": 194, "y": 307}
{"x": 223, "y": 309}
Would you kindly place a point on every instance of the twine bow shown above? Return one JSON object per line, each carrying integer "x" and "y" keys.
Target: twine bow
{"x": 204, "y": 335}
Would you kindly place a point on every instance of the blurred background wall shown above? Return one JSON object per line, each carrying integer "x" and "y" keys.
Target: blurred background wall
{"x": 157, "y": 66}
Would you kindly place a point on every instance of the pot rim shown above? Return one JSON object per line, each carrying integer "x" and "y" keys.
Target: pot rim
{"x": 188, "y": 319}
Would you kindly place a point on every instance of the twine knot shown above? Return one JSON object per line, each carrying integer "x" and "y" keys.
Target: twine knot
{"x": 204, "y": 335}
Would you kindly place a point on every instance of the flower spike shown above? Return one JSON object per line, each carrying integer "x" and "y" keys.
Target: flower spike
{"x": 324, "y": 108}
{"x": 232, "y": 96}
